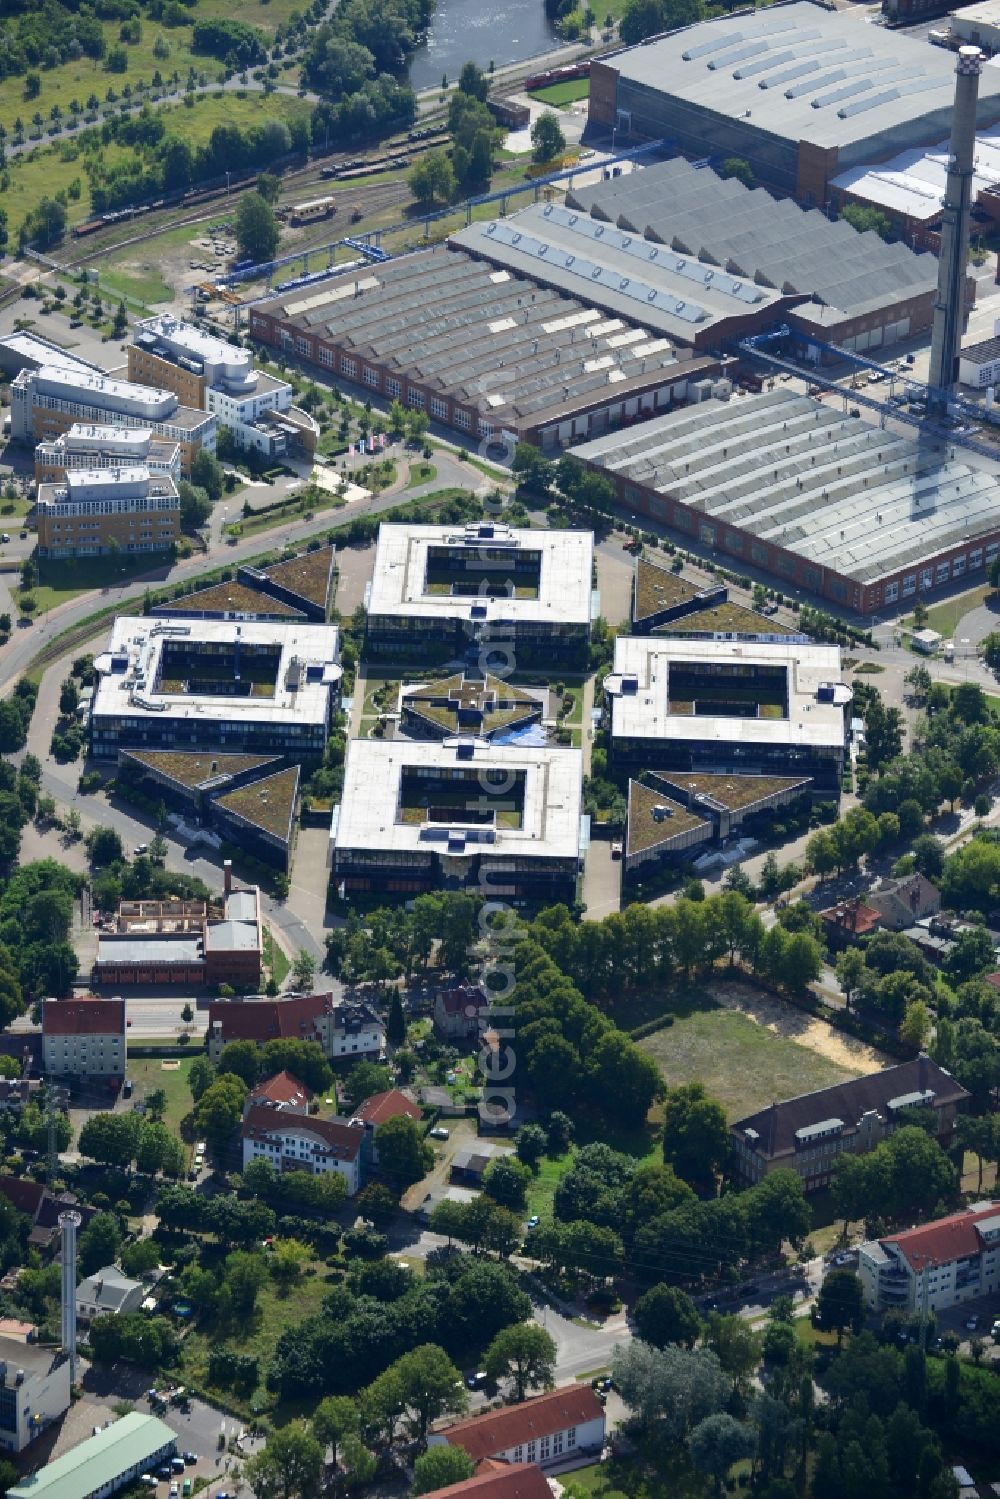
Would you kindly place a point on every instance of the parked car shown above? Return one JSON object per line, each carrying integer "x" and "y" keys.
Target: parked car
{"x": 534, "y": 1221}
{"x": 439, "y": 1132}
{"x": 972, "y": 1323}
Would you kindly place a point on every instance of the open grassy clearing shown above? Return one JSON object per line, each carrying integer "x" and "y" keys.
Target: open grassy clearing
{"x": 256, "y": 1335}
{"x": 560, "y": 94}
{"x": 148, "y": 1074}
{"x": 542, "y": 1187}
{"x": 145, "y": 284}
{"x": 61, "y": 581}
{"x": 742, "y": 1064}
{"x": 945, "y": 616}
{"x": 420, "y": 473}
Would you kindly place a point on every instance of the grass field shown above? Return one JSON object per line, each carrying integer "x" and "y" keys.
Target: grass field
{"x": 560, "y": 94}
{"x": 742, "y": 1064}
{"x": 255, "y": 1335}
{"x": 148, "y": 1074}
{"x": 143, "y": 285}
{"x": 542, "y": 1187}
{"x": 945, "y": 616}
{"x": 59, "y": 164}
{"x": 61, "y": 581}
{"x": 420, "y": 473}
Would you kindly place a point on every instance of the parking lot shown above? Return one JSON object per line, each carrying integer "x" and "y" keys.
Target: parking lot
{"x": 985, "y": 1310}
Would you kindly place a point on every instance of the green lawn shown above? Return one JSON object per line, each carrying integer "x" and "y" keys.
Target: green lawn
{"x": 560, "y": 94}
{"x": 255, "y": 1335}
{"x": 945, "y": 616}
{"x": 275, "y": 958}
{"x": 148, "y": 1074}
{"x": 543, "y": 1185}
{"x": 742, "y": 1064}
{"x": 421, "y": 473}
{"x": 144, "y": 285}
{"x": 60, "y": 581}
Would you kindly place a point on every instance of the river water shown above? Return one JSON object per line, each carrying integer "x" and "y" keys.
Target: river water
{"x": 482, "y": 31}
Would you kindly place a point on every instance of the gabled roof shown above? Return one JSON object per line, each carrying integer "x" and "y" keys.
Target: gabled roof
{"x": 280, "y": 1089}
{"x": 655, "y": 818}
{"x": 229, "y": 599}
{"x": 307, "y": 575}
{"x": 776, "y": 1127}
{"x": 333, "y": 1136}
{"x": 953, "y": 1238}
{"x": 263, "y": 1019}
{"x": 913, "y": 892}
{"x": 852, "y": 916}
{"x": 515, "y": 1425}
{"x": 389, "y": 1105}
{"x": 83, "y": 1017}
{"x": 463, "y": 1000}
{"x": 195, "y": 770}
{"x": 268, "y": 803}
{"x": 499, "y": 1481}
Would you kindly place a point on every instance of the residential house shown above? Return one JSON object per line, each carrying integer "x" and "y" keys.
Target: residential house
{"x": 294, "y": 1142}
{"x": 342, "y": 1027}
{"x": 937, "y": 1265}
{"x": 469, "y": 1165}
{"x": 904, "y": 902}
{"x": 15, "y": 1092}
{"x": 83, "y": 1038}
{"x": 848, "y": 921}
{"x": 808, "y": 1133}
{"x": 42, "y": 1206}
{"x": 373, "y": 1113}
{"x": 460, "y": 1013}
{"x": 282, "y": 1091}
{"x": 34, "y": 1391}
{"x": 498, "y": 1480}
{"x": 544, "y": 1430}
{"x": 108, "y": 1291}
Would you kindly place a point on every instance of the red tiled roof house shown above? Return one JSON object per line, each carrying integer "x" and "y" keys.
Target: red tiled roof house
{"x": 545, "y": 1430}
{"x": 937, "y": 1265}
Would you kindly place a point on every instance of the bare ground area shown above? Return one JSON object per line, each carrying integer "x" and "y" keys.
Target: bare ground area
{"x": 795, "y": 1025}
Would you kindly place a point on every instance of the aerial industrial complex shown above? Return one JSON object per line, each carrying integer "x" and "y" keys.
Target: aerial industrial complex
{"x": 799, "y": 92}
{"x": 820, "y": 499}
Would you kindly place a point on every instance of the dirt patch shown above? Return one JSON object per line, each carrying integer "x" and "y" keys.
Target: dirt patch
{"x": 806, "y": 1030}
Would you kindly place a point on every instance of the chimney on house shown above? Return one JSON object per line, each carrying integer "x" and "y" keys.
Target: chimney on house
{"x": 227, "y": 877}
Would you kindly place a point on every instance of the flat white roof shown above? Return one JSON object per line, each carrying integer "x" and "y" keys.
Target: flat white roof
{"x": 203, "y": 345}
{"x": 89, "y": 434}
{"x": 913, "y": 182}
{"x": 80, "y": 383}
{"x": 87, "y": 478}
{"x": 33, "y": 347}
{"x": 564, "y": 581}
{"x": 128, "y": 670}
{"x": 644, "y": 711}
{"x": 369, "y": 819}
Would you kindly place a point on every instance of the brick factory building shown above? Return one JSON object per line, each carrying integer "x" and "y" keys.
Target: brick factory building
{"x": 818, "y": 499}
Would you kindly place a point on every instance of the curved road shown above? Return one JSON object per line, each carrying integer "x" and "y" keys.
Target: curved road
{"x": 61, "y": 781}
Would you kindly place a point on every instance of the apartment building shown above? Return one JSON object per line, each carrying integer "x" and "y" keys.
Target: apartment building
{"x": 91, "y": 511}
{"x": 345, "y": 1029}
{"x": 88, "y": 445}
{"x": 48, "y": 401}
{"x": 937, "y": 1265}
{"x": 208, "y": 373}
{"x": 83, "y": 1037}
{"x": 294, "y": 1142}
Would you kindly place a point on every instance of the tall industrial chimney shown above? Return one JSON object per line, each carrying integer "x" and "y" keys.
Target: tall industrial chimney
{"x": 949, "y": 309}
{"x": 68, "y": 1225}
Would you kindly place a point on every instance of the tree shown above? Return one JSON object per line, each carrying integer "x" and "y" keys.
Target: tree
{"x": 670, "y": 1390}
{"x": 244, "y": 1276}
{"x": 432, "y": 178}
{"x": 738, "y": 167}
{"x": 303, "y": 971}
{"x": 850, "y": 970}
{"x": 200, "y": 1077}
{"x": 643, "y": 18}
{"x": 207, "y": 472}
{"x": 841, "y": 1304}
{"x": 916, "y": 1025}
{"x": 736, "y": 1346}
{"x": 403, "y": 1154}
{"x": 112, "y": 1139}
{"x": 695, "y": 1136}
{"x": 666, "y": 1314}
{"x": 506, "y": 1180}
{"x": 99, "y": 1243}
{"x": 334, "y": 1418}
{"x": 104, "y": 847}
{"x": 242, "y": 1059}
{"x": 525, "y": 1354}
{"x": 530, "y": 1144}
{"x": 865, "y": 219}
{"x": 289, "y": 1467}
{"x": 269, "y": 187}
{"x": 547, "y": 138}
{"x": 439, "y": 1467}
{"x": 717, "y": 1443}
{"x": 474, "y": 82}
{"x": 432, "y": 1387}
{"x": 928, "y": 855}
{"x": 257, "y": 229}
{"x": 196, "y": 507}
{"x": 218, "y": 1112}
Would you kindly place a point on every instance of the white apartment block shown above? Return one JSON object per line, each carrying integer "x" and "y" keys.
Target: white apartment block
{"x": 293, "y": 1142}
{"x": 937, "y": 1265}
{"x": 83, "y": 1037}
{"x": 34, "y": 1391}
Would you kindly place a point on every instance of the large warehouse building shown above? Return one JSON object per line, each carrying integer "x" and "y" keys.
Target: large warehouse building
{"x": 490, "y": 353}
{"x": 835, "y": 285}
{"x": 821, "y": 500}
{"x": 801, "y": 93}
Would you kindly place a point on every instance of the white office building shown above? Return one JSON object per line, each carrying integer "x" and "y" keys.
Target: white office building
{"x": 34, "y": 1391}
